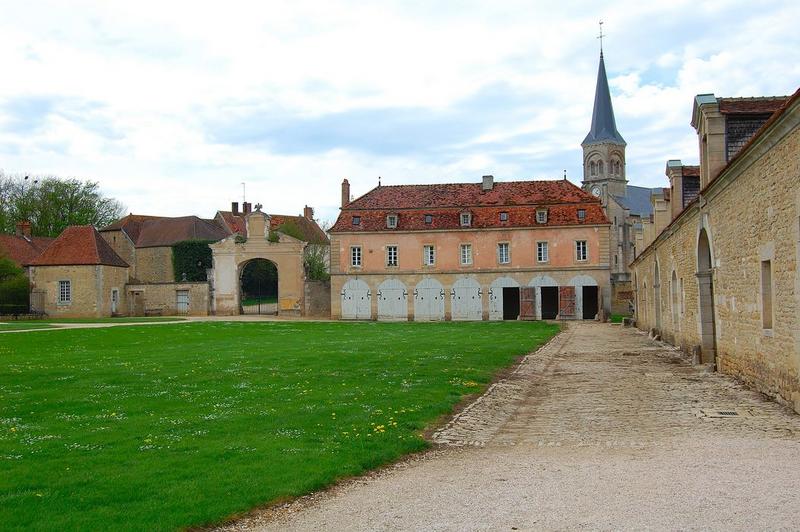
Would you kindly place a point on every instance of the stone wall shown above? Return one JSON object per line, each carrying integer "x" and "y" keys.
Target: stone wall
{"x": 162, "y": 298}
{"x": 154, "y": 265}
{"x": 318, "y": 299}
{"x": 751, "y": 213}
{"x": 91, "y": 288}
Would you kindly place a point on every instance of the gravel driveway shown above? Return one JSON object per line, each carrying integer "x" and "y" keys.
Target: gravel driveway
{"x": 600, "y": 429}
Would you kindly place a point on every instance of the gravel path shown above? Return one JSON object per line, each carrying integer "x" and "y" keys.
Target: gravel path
{"x": 601, "y": 429}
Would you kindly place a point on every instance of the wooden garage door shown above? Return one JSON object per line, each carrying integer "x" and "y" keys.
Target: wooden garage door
{"x": 527, "y": 302}
{"x": 566, "y": 302}
{"x": 429, "y": 300}
{"x": 356, "y": 300}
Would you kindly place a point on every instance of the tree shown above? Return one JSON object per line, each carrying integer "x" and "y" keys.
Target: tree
{"x": 317, "y": 259}
{"x": 14, "y": 288}
{"x": 51, "y": 204}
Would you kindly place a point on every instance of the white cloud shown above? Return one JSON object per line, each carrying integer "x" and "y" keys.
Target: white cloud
{"x": 152, "y": 77}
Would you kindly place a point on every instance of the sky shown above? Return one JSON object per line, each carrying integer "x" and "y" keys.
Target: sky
{"x": 171, "y": 106}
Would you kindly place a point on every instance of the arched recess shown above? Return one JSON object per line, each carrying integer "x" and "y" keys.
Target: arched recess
{"x": 392, "y": 301}
{"x": 356, "y": 300}
{"x": 429, "y": 300}
{"x": 497, "y": 291}
{"x": 587, "y": 296}
{"x": 466, "y": 300}
{"x": 705, "y": 281}
{"x": 258, "y": 287}
{"x": 644, "y": 311}
{"x": 547, "y": 299}
{"x": 657, "y": 295}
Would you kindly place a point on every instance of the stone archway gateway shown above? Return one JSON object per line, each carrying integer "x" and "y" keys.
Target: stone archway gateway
{"x": 705, "y": 281}
{"x": 258, "y": 287}
{"x": 232, "y": 255}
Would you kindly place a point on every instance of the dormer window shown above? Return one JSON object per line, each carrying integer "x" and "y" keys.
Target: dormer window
{"x": 356, "y": 220}
{"x": 391, "y": 221}
{"x": 428, "y": 218}
{"x": 541, "y": 216}
{"x": 466, "y": 219}
{"x": 503, "y": 216}
{"x": 581, "y": 214}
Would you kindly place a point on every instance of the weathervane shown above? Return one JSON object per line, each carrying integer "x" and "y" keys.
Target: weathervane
{"x": 601, "y": 37}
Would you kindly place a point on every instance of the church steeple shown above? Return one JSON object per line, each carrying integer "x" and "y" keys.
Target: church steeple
{"x": 604, "y": 127}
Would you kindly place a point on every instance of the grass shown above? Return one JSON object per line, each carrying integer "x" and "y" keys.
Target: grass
{"x": 158, "y": 428}
{"x": 132, "y": 319}
{"x": 22, "y": 325}
{"x": 256, "y": 300}
{"x": 617, "y": 318}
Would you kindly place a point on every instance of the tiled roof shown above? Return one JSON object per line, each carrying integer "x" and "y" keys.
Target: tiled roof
{"x": 604, "y": 127}
{"x": 22, "y": 250}
{"x": 445, "y": 202}
{"x": 308, "y": 229}
{"x": 79, "y": 245}
{"x": 159, "y": 231}
{"x": 764, "y": 104}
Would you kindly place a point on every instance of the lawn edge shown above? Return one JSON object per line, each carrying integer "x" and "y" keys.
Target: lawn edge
{"x": 281, "y": 507}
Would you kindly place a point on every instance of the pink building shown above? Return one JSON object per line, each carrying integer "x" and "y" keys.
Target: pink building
{"x": 470, "y": 251}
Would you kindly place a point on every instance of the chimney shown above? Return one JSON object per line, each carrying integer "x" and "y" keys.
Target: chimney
{"x": 246, "y": 207}
{"x": 308, "y": 212}
{"x": 675, "y": 175}
{"x": 24, "y": 229}
{"x": 709, "y": 123}
{"x": 488, "y": 183}
{"x": 345, "y": 193}
{"x": 235, "y": 208}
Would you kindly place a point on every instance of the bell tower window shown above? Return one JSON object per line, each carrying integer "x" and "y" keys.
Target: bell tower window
{"x": 592, "y": 168}
{"x": 600, "y": 168}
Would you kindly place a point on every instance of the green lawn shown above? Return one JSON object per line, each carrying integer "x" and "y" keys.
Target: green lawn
{"x": 256, "y": 300}
{"x": 122, "y": 319}
{"x": 157, "y": 428}
{"x": 617, "y": 318}
{"x": 23, "y": 325}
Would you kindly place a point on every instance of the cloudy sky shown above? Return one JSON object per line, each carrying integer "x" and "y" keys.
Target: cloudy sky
{"x": 172, "y": 105}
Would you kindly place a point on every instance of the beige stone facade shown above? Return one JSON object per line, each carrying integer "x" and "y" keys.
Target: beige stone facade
{"x": 91, "y": 289}
{"x": 188, "y": 299}
{"x": 233, "y": 253}
{"x": 723, "y": 277}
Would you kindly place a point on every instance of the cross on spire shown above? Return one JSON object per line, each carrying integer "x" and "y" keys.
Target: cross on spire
{"x": 600, "y": 36}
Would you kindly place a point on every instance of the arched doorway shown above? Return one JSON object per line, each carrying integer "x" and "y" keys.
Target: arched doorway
{"x": 258, "y": 287}
{"x": 675, "y": 302}
{"x": 657, "y": 296}
{"x": 705, "y": 281}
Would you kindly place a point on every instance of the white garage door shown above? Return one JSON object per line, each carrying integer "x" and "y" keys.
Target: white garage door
{"x": 466, "y": 300}
{"x": 496, "y": 296}
{"x": 429, "y": 300}
{"x": 356, "y": 300}
{"x": 392, "y": 301}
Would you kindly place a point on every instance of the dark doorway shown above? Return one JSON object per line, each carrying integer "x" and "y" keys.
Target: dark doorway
{"x": 510, "y": 302}
{"x": 259, "y": 287}
{"x": 589, "y": 302}
{"x": 549, "y": 302}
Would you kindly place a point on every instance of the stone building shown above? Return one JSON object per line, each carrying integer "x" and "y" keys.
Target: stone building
{"x": 722, "y": 279}
{"x": 470, "y": 251}
{"x": 79, "y": 275}
{"x": 628, "y": 207}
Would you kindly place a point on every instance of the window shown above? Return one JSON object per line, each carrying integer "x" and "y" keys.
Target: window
{"x": 541, "y": 252}
{"x": 356, "y": 220}
{"x": 64, "y": 292}
{"x": 503, "y": 256}
{"x": 600, "y": 168}
{"x": 391, "y": 221}
{"x": 355, "y": 256}
{"x": 580, "y": 250}
{"x": 766, "y": 294}
{"x": 391, "y": 255}
{"x": 428, "y": 255}
{"x": 503, "y": 216}
{"x": 592, "y": 168}
{"x": 466, "y": 219}
{"x": 428, "y": 218}
{"x": 581, "y": 214}
{"x": 541, "y": 216}
{"x": 466, "y": 254}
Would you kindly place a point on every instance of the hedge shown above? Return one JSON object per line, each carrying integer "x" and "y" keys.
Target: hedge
{"x": 193, "y": 258}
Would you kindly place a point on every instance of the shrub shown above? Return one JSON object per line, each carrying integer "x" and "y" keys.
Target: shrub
{"x": 193, "y": 258}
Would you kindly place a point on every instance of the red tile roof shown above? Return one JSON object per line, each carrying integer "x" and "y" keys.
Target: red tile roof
{"x": 308, "y": 229}
{"x": 445, "y": 202}
{"x": 79, "y": 245}
{"x": 22, "y": 250}
{"x": 161, "y": 231}
{"x": 760, "y": 105}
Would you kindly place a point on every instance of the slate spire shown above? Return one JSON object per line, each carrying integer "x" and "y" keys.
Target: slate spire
{"x": 604, "y": 127}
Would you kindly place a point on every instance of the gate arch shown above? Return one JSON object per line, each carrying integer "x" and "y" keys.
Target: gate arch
{"x": 392, "y": 301}
{"x": 579, "y": 281}
{"x": 538, "y": 282}
{"x": 429, "y": 300}
{"x": 356, "y": 300}
{"x": 705, "y": 281}
{"x": 496, "y": 296}
{"x": 258, "y": 286}
{"x": 466, "y": 300}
